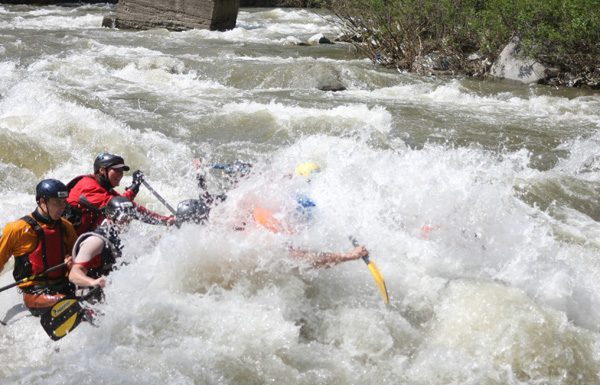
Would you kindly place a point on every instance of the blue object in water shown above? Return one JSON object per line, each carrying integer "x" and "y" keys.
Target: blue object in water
{"x": 305, "y": 202}
{"x": 304, "y": 209}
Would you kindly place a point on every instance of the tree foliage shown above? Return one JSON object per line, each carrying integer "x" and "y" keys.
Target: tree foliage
{"x": 395, "y": 32}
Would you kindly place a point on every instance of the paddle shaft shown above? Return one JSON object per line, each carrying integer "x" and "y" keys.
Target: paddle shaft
{"x": 90, "y": 294}
{"x": 161, "y": 199}
{"x": 31, "y": 278}
{"x": 374, "y": 272}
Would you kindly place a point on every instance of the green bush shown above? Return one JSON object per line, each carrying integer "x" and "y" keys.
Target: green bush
{"x": 395, "y": 32}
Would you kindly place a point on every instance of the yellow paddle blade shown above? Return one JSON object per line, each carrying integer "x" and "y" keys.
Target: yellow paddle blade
{"x": 66, "y": 326}
{"x": 64, "y": 316}
{"x": 61, "y": 306}
{"x": 379, "y": 280}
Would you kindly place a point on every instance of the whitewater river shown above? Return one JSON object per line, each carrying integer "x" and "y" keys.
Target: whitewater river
{"x": 478, "y": 201}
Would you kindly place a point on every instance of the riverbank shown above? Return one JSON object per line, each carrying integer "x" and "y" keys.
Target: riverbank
{"x": 557, "y": 43}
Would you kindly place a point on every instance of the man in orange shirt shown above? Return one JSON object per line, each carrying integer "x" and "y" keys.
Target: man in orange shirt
{"x": 41, "y": 241}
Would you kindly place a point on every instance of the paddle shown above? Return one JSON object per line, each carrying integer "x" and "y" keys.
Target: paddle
{"x": 374, "y": 272}
{"x": 161, "y": 199}
{"x": 65, "y": 315}
{"x": 33, "y": 277}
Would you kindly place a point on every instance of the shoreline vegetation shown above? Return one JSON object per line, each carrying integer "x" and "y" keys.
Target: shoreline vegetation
{"x": 466, "y": 37}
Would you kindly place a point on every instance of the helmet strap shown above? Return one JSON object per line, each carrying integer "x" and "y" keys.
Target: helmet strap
{"x": 102, "y": 178}
{"x": 41, "y": 214}
{"x": 44, "y": 208}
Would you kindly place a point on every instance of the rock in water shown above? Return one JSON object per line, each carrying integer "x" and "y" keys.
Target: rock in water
{"x": 177, "y": 15}
{"x": 510, "y": 66}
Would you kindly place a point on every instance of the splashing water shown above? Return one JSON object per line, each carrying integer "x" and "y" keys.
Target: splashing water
{"x": 477, "y": 200}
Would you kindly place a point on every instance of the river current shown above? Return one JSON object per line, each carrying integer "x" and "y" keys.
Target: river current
{"x": 479, "y": 202}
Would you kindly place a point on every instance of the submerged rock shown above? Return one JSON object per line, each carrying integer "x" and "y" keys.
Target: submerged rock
{"x": 333, "y": 87}
{"x": 109, "y": 21}
{"x": 318, "y": 39}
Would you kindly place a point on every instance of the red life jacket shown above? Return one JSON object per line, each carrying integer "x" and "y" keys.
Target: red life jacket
{"x": 84, "y": 217}
{"x": 49, "y": 252}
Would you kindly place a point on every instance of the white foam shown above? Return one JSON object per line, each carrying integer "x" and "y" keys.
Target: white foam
{"x": 51, "y": 22}
{"x": 453, "y": 95}
{"x": 7, "y": 72}
{"x": 272, "y": 27}
{"x": 357, "y": 117}
{"x": 474, "y": 316}
{"x": 583, "y": 159}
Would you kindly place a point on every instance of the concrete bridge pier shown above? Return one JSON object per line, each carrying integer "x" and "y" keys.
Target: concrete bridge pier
{"x": 176, "y": 15}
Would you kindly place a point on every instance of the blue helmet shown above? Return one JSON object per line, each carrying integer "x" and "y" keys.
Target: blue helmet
{"x": 50, "y": 188}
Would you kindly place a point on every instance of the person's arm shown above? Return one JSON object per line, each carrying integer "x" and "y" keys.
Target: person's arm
{"x": 88, "y": 250}
{"x": 17, "y": 239}
{"x": 153, "y": 218}
{"x": 327, "y": 259}
{"x": 130, "y": 194}
{"x": 6, "y": 245}
{"x": 78, "y": 276}
{"x": 203, "y": 192}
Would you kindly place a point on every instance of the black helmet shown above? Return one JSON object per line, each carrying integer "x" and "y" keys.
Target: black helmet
{"x": 118, "y": 207}
{"x": 109, "y": 160}
{"x": 50, "y": 188}
{"x": 192, "y": 210}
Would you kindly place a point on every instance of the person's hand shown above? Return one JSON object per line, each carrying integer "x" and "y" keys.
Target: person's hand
{"x": 196, "y": 163}
{"x": 170, "y": 220}
{"x": 358, "y": 252}
{"x": 69, "y": 262}
{"x": 137, "y": 179}
{"x": 99, "y": 282}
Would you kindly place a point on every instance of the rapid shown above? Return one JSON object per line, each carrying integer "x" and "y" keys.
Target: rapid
{"x": 478, "y": 201}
